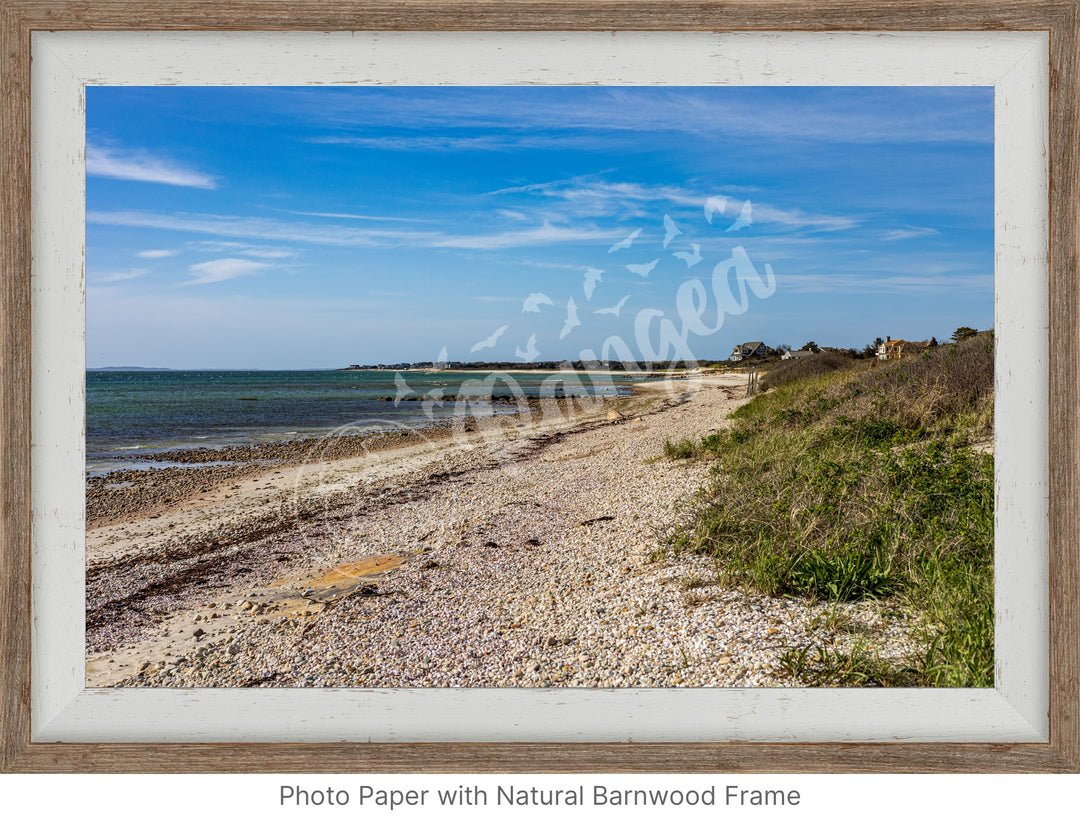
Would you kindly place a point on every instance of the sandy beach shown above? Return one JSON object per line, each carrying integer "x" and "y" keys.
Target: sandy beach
{"x": 519, "y": 550}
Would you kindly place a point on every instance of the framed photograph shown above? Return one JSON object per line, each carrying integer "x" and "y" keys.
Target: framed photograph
{"x": 422, "y": 386}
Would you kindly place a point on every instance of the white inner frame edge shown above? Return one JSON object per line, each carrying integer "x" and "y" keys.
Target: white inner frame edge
{"x": 1014, "y": 63}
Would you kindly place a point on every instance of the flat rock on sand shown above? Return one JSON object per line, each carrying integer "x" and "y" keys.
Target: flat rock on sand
{"x": 527, "y": 560}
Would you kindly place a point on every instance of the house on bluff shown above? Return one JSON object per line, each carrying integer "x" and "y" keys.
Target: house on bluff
{"x": 748, "y": 349}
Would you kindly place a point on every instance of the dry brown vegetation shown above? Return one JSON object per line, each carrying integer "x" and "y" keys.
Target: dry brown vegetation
{"x": 788, "y": 371}
{"x": 948, "y": 389}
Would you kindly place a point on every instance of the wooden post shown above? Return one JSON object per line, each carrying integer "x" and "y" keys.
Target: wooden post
{"x": 751, "y": 383}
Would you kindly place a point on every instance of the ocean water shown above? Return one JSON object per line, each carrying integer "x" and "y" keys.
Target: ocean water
{"x": 139, "y": 412}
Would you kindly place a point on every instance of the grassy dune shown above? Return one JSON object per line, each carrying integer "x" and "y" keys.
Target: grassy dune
{"x": 853, "y": 480}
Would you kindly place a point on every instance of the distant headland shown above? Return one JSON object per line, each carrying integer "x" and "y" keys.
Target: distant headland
{"x": 566, "y": 365}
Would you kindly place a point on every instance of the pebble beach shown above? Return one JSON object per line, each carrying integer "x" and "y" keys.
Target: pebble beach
{"x": 527, "y": 550}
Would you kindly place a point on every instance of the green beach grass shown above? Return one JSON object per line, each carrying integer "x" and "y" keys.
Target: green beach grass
{"x": 851, "y": 480}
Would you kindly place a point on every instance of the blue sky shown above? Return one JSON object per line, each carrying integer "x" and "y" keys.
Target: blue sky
{"x": 317, "y": 227}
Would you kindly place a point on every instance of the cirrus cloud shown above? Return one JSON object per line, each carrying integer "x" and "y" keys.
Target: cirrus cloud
{"x": 222, "y": 270}
{"x": 904, "y": 233}
{"x": 140, "y": 165}
{"x": 121, "y": 275}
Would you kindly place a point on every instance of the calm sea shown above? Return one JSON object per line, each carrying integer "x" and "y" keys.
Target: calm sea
{"x": 139, "y": 412}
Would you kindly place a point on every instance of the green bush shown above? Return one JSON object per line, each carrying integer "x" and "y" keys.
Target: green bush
{"x": 682, "y": 450}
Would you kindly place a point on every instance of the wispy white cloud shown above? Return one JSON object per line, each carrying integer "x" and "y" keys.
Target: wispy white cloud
{"x": 596, "y": 190}
{"x": 139, "y": 165}
{"x": 423, "y": 143}
{"x": 496, "y": 138}
{"x": 120, "y": 275}
{"x": 904, "y": 233}
{"x": 517, "y": 118}
{"x": 222, "y": 270}
{"x": 545, "y": 265}
{"x": 546, "y": 233}
{"x": 242, "y": 249}
{"x": 342, "y": 236}
{"x": 591, "y": 195}
{"x": 884, "y": 283}
{"x": 512, "y": 215}
{"x": 800, "y": 219}
{"x": 156, "y": 254}
{"x": 357, "y": 216}
{"x": 239, "y": 227}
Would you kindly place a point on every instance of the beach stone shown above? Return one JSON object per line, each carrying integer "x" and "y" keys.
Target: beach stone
{"x": 615, "y": 416}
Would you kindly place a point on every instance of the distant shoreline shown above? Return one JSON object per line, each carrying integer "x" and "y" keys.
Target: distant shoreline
{"x": 553, "y": 371}
{"x": 470, "y": 369}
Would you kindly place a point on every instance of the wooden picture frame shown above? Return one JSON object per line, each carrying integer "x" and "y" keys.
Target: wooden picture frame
{"x": 19, "y": 19}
